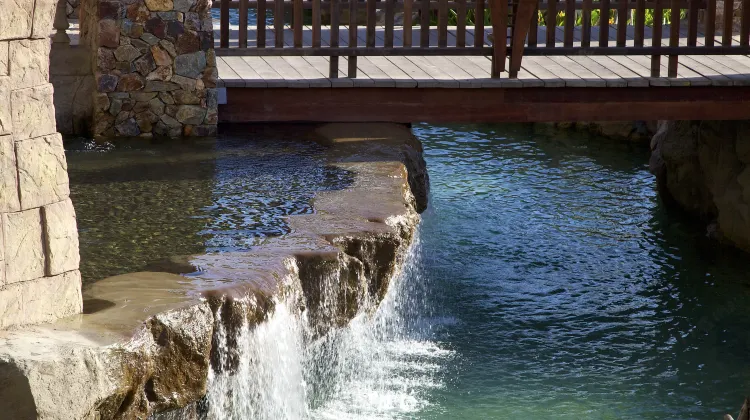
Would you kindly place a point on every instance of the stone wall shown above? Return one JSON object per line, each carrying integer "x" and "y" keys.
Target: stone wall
{"x": 39, "y": 277}
{"x": 703, "y": 168}
{"x": 154, "y": 66}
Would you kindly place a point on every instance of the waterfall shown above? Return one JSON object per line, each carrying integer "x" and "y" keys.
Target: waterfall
{"x": 379, "y": 365}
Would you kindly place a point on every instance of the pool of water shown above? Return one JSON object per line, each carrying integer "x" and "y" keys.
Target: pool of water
{"x": 565, "y": 290}
{"x": 139, "y": 203}
{"x": 547, "y": 279}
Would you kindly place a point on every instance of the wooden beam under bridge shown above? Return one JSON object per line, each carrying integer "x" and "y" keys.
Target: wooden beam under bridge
{"x": 486, "y": 105}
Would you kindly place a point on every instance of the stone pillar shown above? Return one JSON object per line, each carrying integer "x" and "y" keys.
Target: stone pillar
{"x": 154, "y": 65}
{"x": 39, "y": 277}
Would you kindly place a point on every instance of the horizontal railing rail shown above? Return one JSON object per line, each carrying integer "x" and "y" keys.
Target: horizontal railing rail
{"x": 295, "y": 28}
{"x": 623, "y": 23}
{"x": 603, "y": 27}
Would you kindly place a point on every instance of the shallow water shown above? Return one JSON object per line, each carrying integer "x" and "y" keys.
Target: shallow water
{"x": 139, "y": 203}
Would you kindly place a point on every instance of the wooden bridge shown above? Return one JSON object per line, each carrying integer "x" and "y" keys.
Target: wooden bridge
{"x": 302, "y": 60}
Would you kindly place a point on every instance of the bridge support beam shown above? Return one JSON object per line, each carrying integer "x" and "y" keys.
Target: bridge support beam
{"x": 154, "y": 65}
{"x": 39, "y": 277}
{"x": 488, "y": 105}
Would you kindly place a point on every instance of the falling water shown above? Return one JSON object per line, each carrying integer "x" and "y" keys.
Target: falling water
{"x": 381, "y": 365}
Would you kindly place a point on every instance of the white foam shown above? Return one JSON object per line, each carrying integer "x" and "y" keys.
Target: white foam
{"x": 380, "y": 366}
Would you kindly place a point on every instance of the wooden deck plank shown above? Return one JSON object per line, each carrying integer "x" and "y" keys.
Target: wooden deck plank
{"x": 390, "y": 73}
{"x": 552, "y": 70}
{"x": 632, "y": 78}
{"x": 307, "y": 72}
{"x": 456, "y": 71}
{"x": 303, "y": 66}
{"x": 322, "y": 64}
{"x": 240, "y": 67}
{"x": 399, "y": 78}
{"x": 592, "y": 67}
{"x": 227, "y": 76}
{"x": 426, "y": 71}
{"x": 734, "y": 67}
{"x": 378, "y": 77}
{"x": 267, "y": 72}
{"x": 452, "y": 68}
{"x": 699, "y": 64}
{"x": 685, "y": 75}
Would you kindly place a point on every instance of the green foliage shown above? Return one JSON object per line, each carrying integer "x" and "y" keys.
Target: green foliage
{"x": 596, "y": 17}
{"x": 559, "y": 19}
{"x": 453, "y": 18}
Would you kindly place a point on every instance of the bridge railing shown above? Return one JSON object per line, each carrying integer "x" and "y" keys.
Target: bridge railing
{"x": 567, "y": 27}
{"x": 296, "y": 28}
{"x": 673, "y": 29}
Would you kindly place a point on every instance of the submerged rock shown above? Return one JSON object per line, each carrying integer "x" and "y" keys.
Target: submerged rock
{"x": 147, "y": 341}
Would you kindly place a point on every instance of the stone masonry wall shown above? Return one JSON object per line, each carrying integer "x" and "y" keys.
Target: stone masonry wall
{"x": 154, "y": 65}
{"x": 39, "y": 277}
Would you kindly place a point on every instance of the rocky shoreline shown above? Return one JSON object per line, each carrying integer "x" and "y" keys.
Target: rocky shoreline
{"x": 147, "y": 341}
{"x": 701, "y": 169}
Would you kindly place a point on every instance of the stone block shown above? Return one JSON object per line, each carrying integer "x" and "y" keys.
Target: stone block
{"x": 5, "y": 112}
{"x": 60, "y": 237}
{"x": 8, "y": 176}
{"x": 190, "y": 114}
{"x": 29, "y": 62}
{"x": 190, "y": 65}
{"x": 41, "y": 300}
{"x": 109, "y": 34}
{"x": 32, "y": 112}
{"x": 44, "y": 14}
{"x": 4, "y": 58}
{"x": 159, "y": 5}
{"x": 16, "y": 17}
{"x": 42, "y": 171}
{"x": 24, "y": 250}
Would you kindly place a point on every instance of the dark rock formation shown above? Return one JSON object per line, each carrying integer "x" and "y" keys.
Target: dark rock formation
{"x": 633, "y": 131}
{"x": 702, "y": 167}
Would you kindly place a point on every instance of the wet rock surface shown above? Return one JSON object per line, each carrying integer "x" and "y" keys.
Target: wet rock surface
{"x": 145, "y": 341}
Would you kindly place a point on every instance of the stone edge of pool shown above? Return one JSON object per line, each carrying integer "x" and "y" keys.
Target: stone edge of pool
{"x": 144, "y": 344}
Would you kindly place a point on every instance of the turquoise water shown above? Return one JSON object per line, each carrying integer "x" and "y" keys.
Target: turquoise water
{"x": 547, "y": 279}
{"x": 564, "y": 289}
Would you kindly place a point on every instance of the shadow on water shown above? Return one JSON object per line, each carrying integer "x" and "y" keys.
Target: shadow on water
{"x": 140, "y": 202}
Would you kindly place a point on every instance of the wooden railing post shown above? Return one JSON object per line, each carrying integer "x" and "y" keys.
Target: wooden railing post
{"x": 524, "y": 15}
{"x": 499, "y": 15}
{"x": 656, "y": 39}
